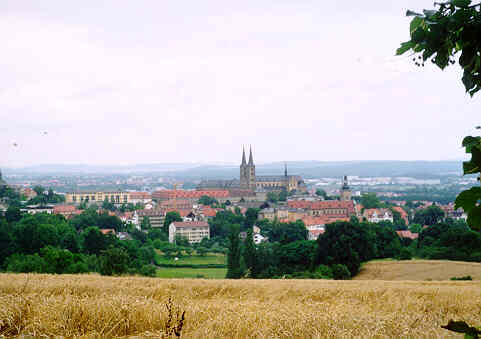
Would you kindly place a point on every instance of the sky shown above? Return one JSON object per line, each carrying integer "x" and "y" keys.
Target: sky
{"x": 128, "y": 82}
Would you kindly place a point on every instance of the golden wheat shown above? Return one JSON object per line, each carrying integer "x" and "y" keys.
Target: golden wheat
{"x": 91, "y": 305}
{"x": 418, "y": 270}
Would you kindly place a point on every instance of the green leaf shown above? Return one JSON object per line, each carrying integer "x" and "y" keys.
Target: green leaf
{"x": 411, "y": 13}
{"x": 469, "y": 142}
{"x": 442, "y": 59}
{"x": 474, "y": 218}
{"x": 428, "y": 13}
{"x": 467, "y": 57}
{"x": 415, "y": 24}
{"x": 461, "y": 3}
{"x": 467, "y": 80}
{"x": 418, "y": 35}
{"x": 467, "y": 199}
{"x": 405, "y": 46}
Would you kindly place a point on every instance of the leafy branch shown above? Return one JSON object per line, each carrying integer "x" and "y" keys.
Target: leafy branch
{"x": 439, "y": 35}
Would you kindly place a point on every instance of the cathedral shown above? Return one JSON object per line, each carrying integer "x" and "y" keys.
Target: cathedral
{"x": 248, "y": 180}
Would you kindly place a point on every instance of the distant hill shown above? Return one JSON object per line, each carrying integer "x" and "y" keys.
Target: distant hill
{"x": 307, "y": 169}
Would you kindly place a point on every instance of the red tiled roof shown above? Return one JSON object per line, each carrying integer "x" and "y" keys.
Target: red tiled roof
{"x": 182, "y": 212}
{"x": 319, "y": 205}
{"x": 107, "y": 231}
{"x": 191, "y": 224}
{"x": 172, "y": 194}
{"x": 311, "y": 221}
{"x": 64, "y": 209}
{"x": 407, "y": 234}
{"x": 139, "y": 195}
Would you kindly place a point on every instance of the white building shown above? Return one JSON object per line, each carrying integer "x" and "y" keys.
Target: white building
{"x": 378, "y": 214}
{"x": 194, "y": 231}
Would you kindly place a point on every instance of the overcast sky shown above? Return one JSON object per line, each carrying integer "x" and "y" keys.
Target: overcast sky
{"x": 125, "y": 82}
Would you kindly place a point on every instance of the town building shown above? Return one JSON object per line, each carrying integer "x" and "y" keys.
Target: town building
{"x": 345, "y": 194}
{"x": 97, "y": 197}
{"x": 66, "y": 210}
{"x": 163, "y": 195}
{"x": 140, "y": 197}
{"x": 330, "y": 208}
{"x": 378, "y": 214}
{"x": 193, "y": 231}
{"x": 248, "y": 180}
{"x": 156, "y": 217}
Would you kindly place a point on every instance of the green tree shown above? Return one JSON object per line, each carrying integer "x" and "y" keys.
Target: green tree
{"x": 283, "y": 195}
{"x": 321, "y": 193}
{"x": 370, "y": 200}
{"x": 94, "y": 241}
{"x": 250, "y": 254}
{"x": 272, "y": 197}
{"x": 251, "y": 217}
{"x": 171, "y": 217}
{"x": 145, "y": 224}
{"x": 114, "y": 261}
{"x": 429, "y": 216}
{"x": 13, "y": 214}
{"x": 234, "y": 268}
{"x": 207, "y": 201}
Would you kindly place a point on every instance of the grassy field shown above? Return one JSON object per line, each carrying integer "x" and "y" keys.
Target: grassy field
{"x": 219, "y": 259}
{"x": 185, "y": 272}
{"x": 91, "y": 305}
{"x": 418, "y": 270}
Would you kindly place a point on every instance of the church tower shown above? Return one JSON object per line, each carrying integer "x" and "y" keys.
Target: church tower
{"x": 243, "y": 171}
{"x": 247, "y": 172}
{"x": 345, "y": 190}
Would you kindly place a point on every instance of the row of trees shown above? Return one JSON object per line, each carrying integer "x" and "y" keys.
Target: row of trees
{"x": 50, "y": 244}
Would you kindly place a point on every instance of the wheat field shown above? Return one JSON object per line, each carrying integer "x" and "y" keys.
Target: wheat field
{"x": 418, "y": 270}
{"x": 94, "y": 306}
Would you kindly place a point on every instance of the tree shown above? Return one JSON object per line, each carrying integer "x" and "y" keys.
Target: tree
{"x": 207, "y": 201}
{"x": 39, "y": 190}
{"x": 106, "y": 205}
{"x": 93, "y": 240}
{"x": 171, "y": 217}
{"x": 234, "y": 269}
{"x": 114, "y": 261}
{"x": 250, "y": 254}
{"x": 272, "y": 197}
{"x": 370, "y": 200}
{"x": 321, "y": 193}
{"x": 145, "y": 224}
{"x": 13, "y": 214}
{"x": 429, "y": 216}
{"x": 283, "y": 195}
{"x": 251, "y": 216}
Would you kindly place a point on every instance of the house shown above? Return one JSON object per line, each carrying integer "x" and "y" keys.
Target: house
{"x": 450, "y": 212}
{"x": 34, "y": 209}
{"x": 314, "y": 234}
{"x": 66, "y": 210}
{"x": 140, "y": 197}
{"x": 332, "y": 208}
{"x": 124, "y": 236}
{"x": 194, "y": 231}
{"x": 403, "y": 213}
{"x": 156, "y": 216}
{"x": 407, "y": 234}
{"x": 107, "y": 231}
{"x": 378, "y": 214}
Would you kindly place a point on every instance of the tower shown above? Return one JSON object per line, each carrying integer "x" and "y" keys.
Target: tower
{"x": 345, "y": 190}
{"x": 247, "y": 171}
{"x": 243, "y": 171}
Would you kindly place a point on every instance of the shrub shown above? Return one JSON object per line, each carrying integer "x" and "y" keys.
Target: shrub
{"x": 148, "y": 270}
{"x": 114, "y": 261}
{"x": 21, "y": 263}
{"x": 405, "y": 254}
{"x": 324, "y": 271}
{"x": 468, "y": 277}
{"x": 340, "y": 272}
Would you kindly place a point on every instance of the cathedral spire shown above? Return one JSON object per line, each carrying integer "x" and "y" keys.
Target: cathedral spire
{"x": 243, "y": 156}
{"x": 285, "y": 169}
{"x": 251, "y": 160}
